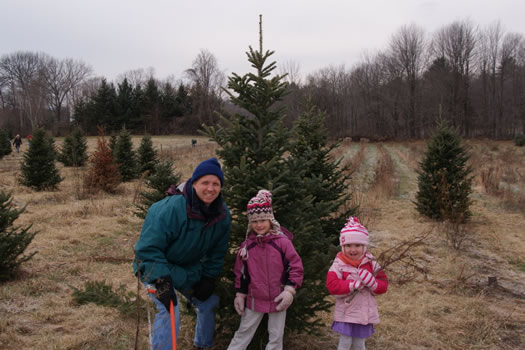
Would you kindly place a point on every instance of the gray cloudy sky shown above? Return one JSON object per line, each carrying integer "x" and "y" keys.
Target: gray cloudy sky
{"x": 114, "y": 36}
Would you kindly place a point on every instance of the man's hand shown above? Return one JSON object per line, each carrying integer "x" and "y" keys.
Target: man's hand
{"x": 165, "y": 293}
{"x": 203, "y": 289}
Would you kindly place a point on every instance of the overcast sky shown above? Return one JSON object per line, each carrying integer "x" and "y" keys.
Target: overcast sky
{"x": 115, "y": 36}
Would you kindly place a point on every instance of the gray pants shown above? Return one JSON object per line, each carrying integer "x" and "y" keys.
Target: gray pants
{"x": 250, "y": 321}
{"x": 346, "y": 342}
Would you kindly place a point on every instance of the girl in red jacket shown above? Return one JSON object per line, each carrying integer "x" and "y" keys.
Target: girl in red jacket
{"x": 267, "y": 270}
{"x": 354, "y": 279}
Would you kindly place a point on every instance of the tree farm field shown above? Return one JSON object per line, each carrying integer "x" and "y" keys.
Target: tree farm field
{"x": 440, "y": 300}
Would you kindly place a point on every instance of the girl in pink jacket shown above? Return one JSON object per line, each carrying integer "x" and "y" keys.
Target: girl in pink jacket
{"x": 268, "y": 271}
{"x": 354, "y": 279}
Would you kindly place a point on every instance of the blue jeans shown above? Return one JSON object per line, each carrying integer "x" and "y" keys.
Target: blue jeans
{"x": 204, "y": 329}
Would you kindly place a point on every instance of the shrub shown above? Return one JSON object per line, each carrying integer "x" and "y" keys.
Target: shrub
{"x": 13, "y": 239}
{"x": 5, "y": 144}
{"x": 159, "y": 181}
{"x": 100, "y": 293}
{"x": 519, "y": 140}
{"x": 102, "y": 173}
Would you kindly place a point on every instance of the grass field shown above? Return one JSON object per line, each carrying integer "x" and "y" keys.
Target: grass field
{"x": 441, "y": 300}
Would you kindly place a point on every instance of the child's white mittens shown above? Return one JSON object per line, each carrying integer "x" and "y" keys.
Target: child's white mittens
{"x": 285, "y": 298}
{"x": 368, "y": 279}
{"x": 353, "y": 285}
{"x": 239, "y": 302}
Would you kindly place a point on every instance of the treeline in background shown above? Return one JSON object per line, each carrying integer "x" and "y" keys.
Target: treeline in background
{"x": 471, "y": 76}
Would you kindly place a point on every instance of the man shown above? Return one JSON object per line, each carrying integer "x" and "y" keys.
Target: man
{"x": 181, "y": 247}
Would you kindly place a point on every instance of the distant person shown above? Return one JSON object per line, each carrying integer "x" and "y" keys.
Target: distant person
{"x": 29, "y": 138}
{"x": 181, "y": 248}
{"x": 268, "y": 271}
{"x": 354, "y": 279}
{"x": 193, "y": 143}
{"x": 17, "y": 142}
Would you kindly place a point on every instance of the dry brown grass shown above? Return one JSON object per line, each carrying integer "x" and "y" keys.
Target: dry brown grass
{"x": 449, "y": 306}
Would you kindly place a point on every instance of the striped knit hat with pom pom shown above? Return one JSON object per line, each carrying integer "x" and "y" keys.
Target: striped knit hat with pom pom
{"x": 353, "y": 232}
{"x": 260, "y": 207}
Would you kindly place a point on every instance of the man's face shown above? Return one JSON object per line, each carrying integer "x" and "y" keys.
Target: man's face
{"x": 208, "y": 188}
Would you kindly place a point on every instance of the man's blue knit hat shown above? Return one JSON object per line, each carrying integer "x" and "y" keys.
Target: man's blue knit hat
{"x": 208, "y": 167}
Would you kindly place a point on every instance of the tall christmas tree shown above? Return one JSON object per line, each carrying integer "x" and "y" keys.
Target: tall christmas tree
{"x": 444, "y": 179}
{"x": 13, "y": 239}
{"x": 38, "y": 167}
{"x": 255, "y": 152}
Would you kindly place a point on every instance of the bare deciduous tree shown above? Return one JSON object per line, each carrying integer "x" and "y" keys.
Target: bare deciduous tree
{"x": 208, "y": 81}
{"x": 23, "y": 72}
{"x": 456, "y": 43}
{"x": 292, "y": 70}
{"x": 407, "y": 48}
{"x": 61, "y": 77}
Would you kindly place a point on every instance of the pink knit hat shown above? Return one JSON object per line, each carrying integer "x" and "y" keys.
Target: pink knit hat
{"x": 353, "y": 232}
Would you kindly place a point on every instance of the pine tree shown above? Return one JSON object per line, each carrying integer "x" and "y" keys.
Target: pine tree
{"x": 125, "y": 157}
{"x": 147, "y": 155}
{"x": 254, "y": 152}
{"x": 74, "y": 149}
{"x": 38, "y": 167}
{"x": 113, "y": 142}
{"x": 5, "y": 144}
{"x": 102, "y": 173}
{"x": 326, "y": 179}
{"x": 13, "y": 239}
{"x": 444, "y": 178}
{"x": 159, "y": 181}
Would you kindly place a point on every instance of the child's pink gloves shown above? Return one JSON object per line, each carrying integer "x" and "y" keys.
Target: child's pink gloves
{"x": 368, "y": 279}
{"x": 353, "y": 285}
{"x": 239, "y": 302}
{"x": 285, "y": 298}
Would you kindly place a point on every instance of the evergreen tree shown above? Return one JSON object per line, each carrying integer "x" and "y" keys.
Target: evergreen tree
{"x": 102, "y": 173}
{"x": 13, "y": 239}
{"x": 326, "y": 180}
{"x": 147, "y": 155}
{"x": 113, "y": 142}
{"x": 184, "y": 103}
{"x": 38, "y": 167}
{"x": 159, "y": 181}
{"x": 124, "y": 106}
{"x": 74, "y": 149}
{"x": 444, "y": 178}
{"x": 104, "y": 107}
{"x": 151, "y": 107}
{"x": 254, "y": 152}
{"x": 125, "y": 157}
{"x": 5, "y": 144}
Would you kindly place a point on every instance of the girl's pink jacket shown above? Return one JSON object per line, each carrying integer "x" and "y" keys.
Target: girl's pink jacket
{"x": 272, "y": 263}
{"x": 359, "y": 307}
